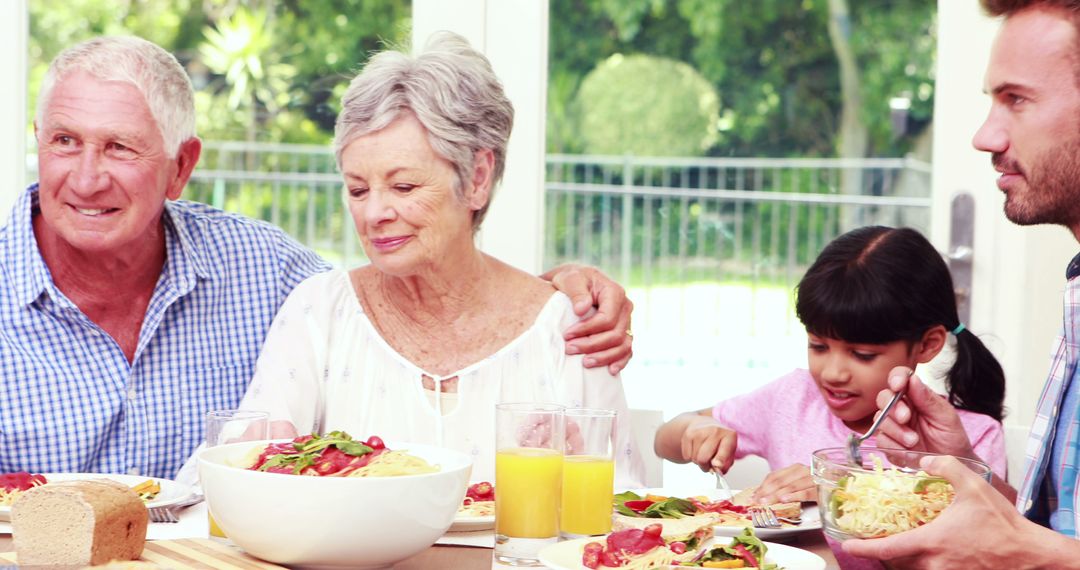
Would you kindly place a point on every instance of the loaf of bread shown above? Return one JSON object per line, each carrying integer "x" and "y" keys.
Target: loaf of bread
{"x": 78, "y": 523}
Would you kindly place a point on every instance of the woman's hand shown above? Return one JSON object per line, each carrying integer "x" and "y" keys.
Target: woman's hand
{"x": 792, "y": 483}
{"x": 923, "y": 420}
{"x": 604, "y": 337}
{"x": 282, "y": 429}
{"x": 708, "y": 444}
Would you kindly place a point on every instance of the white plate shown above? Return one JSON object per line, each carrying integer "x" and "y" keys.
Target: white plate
{"x": 567, "y": 555}
{"x": 811, "y": 520}
{"x": 171, "y": 491}
{"x": 463, "y": 523}
{"x": 811, "y": 516}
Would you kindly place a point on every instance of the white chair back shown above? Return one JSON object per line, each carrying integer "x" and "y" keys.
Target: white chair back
{"x": 1015, "y": 440}
{"x": 747, "y": 472}
{"x": 644, "y": 424}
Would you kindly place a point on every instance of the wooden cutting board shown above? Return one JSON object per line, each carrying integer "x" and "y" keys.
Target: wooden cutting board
{"x": 192, "y": 553}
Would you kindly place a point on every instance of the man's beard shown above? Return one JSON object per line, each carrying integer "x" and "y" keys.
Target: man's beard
{"x": 1052, "y": 193}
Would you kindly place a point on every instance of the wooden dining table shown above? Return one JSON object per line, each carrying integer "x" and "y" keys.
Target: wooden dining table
{"x": 470, "y": 558}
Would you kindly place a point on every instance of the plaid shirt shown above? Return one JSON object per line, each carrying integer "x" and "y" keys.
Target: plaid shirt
{"x": 1049, "y": 492}
{"x": 69, "y": 399}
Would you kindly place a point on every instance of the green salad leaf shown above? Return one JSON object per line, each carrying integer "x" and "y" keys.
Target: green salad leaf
{"x": 747, "y": 540}
{"x": 308, "y": 452}
{"x": 670, "y": 508}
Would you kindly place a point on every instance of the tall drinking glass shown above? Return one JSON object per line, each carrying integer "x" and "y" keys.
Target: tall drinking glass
{"x": 230, "y": 426}
{"x": 588, "y": 472}
{"x": 529, "y": 438}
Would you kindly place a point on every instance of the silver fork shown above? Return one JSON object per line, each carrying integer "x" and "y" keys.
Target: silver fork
{"x": 764, "y": 517}
{"x": 169, "y": 513}
{"x": 854, "y": 441}
{"x": 163, "y": 515}
{"x": 721, "y": 483}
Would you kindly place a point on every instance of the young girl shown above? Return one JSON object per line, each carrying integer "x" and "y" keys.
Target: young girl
{"x": 874, "y": 299}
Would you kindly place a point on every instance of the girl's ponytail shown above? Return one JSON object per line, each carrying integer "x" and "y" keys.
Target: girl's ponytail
{"x": 976, "y": 381}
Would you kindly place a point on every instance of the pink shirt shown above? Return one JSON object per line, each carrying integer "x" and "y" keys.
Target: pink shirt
{"x": 786, "y": 420}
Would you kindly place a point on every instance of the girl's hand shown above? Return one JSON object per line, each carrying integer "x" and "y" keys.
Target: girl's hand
{"x": 282, "y": 429}
{"x": 709, "y": 445}
{"x": 792, "y": 483}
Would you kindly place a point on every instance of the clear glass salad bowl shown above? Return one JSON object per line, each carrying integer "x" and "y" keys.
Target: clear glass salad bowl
{"x": 887, "y": 495}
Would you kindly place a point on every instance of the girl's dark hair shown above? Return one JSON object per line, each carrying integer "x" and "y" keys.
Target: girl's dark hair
{"x": 876, "y": 285}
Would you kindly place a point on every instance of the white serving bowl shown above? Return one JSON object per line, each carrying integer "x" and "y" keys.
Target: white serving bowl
{"x": 355, "y": 522}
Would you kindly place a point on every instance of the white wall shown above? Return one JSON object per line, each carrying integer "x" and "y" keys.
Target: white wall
{"x": 513, "y": 34}
{"x": 1018, "y": 271}
{"x": 13, "y": 104}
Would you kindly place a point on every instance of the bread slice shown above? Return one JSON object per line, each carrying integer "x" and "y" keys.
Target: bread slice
{"x": 791, "y": 509}
{"x": 78, "y": 523}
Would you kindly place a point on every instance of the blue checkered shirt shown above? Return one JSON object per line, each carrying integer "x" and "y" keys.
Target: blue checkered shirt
{"x": 69, "y": 399}
{"x": 1049, "y": 493}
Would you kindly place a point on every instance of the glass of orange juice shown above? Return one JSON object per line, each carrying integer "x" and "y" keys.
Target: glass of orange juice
{"x": 230, "y": 426}
{"x": 588, "y": 472}
{"x": 529, "y": 441}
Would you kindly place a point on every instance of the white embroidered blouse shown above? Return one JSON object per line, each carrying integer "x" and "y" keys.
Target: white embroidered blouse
{"x": 325, "y": 367}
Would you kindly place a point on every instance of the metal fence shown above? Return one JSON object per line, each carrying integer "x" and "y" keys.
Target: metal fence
{"x": 711, "y": 249}
{"x": 656, "y": 220}
{"x": 296, "y": 187}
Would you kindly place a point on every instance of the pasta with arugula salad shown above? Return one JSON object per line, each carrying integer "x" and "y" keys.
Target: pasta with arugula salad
{"x": 336, "y": 454}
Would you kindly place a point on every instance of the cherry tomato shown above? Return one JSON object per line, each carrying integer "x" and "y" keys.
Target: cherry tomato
{"x": 638, "y": 506}
{"x": 375, "y": 442}
{"x": 590, "y": 558}
{"x": 611, "y": 559}
{"x": 482, "y": 491}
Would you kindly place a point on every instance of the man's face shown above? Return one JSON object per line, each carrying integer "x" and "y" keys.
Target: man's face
{"x": 1033, "y": 129}
{"x": 104, "y": 174}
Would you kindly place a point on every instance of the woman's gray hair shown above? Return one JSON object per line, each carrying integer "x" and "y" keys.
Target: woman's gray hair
{"x": 452, "y": 91}
{"x": 152, "y": 70}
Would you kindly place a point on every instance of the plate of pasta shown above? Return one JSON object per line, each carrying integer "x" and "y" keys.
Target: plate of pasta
{"x": 336, "y": 454}
{"x": 153, "y": 491}
{"x": 477, "y": 510}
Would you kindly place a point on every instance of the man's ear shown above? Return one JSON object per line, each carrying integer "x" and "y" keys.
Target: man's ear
{"x": 933, "y": 340}
{"x": 483, "y": 174}
{"x": 186, "y": 159}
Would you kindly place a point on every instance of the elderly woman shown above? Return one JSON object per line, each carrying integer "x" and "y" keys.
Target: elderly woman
{"x": 422, "y": 343}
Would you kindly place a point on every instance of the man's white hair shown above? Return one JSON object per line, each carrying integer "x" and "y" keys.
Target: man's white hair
{"x": 152, "y": 70}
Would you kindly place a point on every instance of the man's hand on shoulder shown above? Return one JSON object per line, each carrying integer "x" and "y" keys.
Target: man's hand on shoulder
{"x": 604, "y": 337}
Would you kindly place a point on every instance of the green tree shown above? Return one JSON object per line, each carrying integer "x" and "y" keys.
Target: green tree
{"x": 254, "y": 77}
{"x": 623, "y": 111}
{"x": 338, "y": 37}
{"x": 773, "y": 62}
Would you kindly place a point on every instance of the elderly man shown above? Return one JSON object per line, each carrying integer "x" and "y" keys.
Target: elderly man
{"x": 125, "y": 315}
{"x": 1033, "y": 135}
